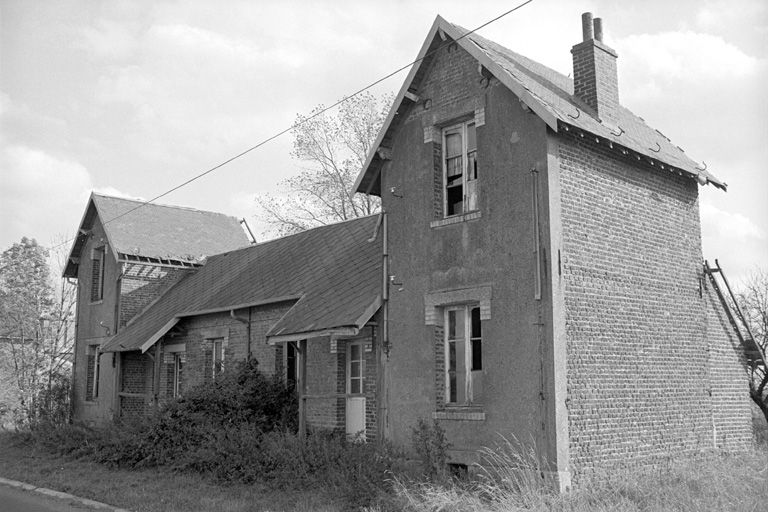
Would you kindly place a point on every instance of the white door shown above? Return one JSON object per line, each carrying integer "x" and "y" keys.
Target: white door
{"x": 356, "y": 389}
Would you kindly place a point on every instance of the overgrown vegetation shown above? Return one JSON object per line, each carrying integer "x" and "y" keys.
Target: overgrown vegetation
{"x": 511, "y": 479}
{"x": 239, "y": 429}
{"x": 431, "y": 447}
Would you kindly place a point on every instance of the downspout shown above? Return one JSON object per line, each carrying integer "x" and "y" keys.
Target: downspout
{"x": 247, "y": 322}
{"x": 73, "y": 392}
{"x": 382, "y": 384}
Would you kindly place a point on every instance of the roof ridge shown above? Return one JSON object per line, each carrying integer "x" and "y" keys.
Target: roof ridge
{"x": 310, "y": 230}
{"x": 161, "y": 205}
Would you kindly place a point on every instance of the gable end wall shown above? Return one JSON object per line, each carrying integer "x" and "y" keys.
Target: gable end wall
{"x": 639, "y": 369}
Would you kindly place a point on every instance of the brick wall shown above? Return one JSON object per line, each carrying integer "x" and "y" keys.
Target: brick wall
{"x": 143, "y": 283}
{"x": 638, "y": 365}
{"x": 326, "y": 383}
{"x": 729, "y": 385}
{"x": 198, "y": 332}
{"x": 136, "y": 377}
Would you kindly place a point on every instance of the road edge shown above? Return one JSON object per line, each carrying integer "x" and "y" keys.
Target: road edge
{"x": 60, "y": 495}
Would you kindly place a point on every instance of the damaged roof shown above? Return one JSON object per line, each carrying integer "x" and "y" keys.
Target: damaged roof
{"x": 546, "y": 92}
{"x": 149, "y": 230}
{"x": 332, "y": 274}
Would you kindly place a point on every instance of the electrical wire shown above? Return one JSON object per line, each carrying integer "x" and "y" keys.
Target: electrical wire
{"x": 303, "y": 120}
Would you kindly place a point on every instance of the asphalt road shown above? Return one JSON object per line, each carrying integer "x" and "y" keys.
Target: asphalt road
{"x": 19, "y": 500}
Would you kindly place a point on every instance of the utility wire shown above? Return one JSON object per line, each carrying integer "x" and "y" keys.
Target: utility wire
{"x": 306, "y": 119}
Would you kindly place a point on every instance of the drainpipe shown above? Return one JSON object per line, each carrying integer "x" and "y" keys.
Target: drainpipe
{"x": 383, "y": 382}
{"x": 247, "y": 322}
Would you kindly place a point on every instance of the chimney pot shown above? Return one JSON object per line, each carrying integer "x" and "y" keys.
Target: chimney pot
{"x": 586, "y": 26}
{"x": 599, "y": 29}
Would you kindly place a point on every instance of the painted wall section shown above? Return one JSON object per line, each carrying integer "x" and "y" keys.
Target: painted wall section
{"x": 464, "y": 257}
{"x": 95, "y": 322}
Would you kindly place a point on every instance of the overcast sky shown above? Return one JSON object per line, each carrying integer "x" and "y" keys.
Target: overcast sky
{"x": 132, "y": 98}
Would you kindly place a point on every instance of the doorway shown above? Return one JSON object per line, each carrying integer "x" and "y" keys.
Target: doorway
{"x": 356, "y": 389}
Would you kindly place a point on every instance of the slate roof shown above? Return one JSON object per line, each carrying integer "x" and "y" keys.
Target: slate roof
{"x": 158, "y": 231}
{"x": 332, "y": 273}
{"x": 548, "y": 93}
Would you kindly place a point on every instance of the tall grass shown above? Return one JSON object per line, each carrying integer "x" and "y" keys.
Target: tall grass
{"x": 511, "y": 479}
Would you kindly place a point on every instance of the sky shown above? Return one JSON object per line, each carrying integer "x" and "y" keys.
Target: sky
{"x": 132, "y": 98}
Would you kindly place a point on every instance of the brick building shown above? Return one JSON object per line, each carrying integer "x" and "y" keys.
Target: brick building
{"x": 537, "y": 273}
{"x": 546, "y": 243}
{"x": 316, "y": 291}
{"x": 124, "y": 256}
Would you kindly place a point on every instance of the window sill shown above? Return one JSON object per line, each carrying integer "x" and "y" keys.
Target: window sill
{"x": 94, "y": 302}
{"x": 455, "y": 219}
{"x": 460, "y": 414}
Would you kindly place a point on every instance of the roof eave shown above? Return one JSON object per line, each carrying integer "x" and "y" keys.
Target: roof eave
{"x": 367, "y": 177}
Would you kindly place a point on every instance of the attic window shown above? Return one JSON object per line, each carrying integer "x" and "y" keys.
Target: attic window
{"x": 97, "y": 274}
{"x": 460, "y": 168}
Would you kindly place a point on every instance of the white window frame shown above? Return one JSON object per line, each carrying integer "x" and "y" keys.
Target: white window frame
{"x": 461, "y": 128}
{"x": 466, "y": 311}
{"x": 179, "y": 353}
{"x": 223, "y": 342}
{"x": 178, "y": 362}
{"x": 362, "y": 346}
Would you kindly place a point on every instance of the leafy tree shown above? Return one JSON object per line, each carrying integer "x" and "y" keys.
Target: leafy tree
{"x": 753, "y": 301}
{"x": 334, "y": 147}
{"x": 34, "y": 333}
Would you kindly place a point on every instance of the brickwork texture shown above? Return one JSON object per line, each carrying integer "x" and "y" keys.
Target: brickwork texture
{"x": 638, "y": 352}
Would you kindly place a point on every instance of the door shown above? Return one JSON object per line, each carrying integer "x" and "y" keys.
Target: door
{"x": 356, "y": 389}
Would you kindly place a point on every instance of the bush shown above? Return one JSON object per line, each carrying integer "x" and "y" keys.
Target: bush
{"x": 240, "y": 428}
{"x": 431, "y": 446}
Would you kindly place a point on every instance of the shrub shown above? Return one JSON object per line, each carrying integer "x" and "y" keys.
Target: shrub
{"x": 431, "y": 447}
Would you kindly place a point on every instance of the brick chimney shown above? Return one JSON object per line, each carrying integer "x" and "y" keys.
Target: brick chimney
{"x": 595, "y": 79}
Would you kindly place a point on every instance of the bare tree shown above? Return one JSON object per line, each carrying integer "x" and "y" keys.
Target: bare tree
{"x": 35, "y": 333}
{"x": 335, "y": 148}
{"x": 753, "y": 301}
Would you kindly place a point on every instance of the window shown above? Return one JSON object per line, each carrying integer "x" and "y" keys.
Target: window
{"x": 92, "y": 372}
{"x": 179, "y": 358}
{"x": 291, "y": 367}
{"x": 218, "y": 356}
{"x": 97, "y": 274}
{"x": 460, "y": 169}
{"x": 463, "y": 355}
{"x": 174, "y": 358}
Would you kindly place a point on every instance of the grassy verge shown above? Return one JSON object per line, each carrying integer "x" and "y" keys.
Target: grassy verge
{"x": 150, "y": 490}
{"x": 733, "y": 482}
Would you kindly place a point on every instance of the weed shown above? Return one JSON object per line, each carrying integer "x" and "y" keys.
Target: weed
{"x": 431, "y": 446}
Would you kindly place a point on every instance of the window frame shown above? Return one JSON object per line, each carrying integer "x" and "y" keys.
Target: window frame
{"x": 214, "y": 342}
{"x": 179, "y": 360}
{"x": 361, "y": 370}
{"x": 469, "y": 354}
{"x": 98, "y": 254}
{"x": 93, "y": 386}
{"x": 463, "y": 129}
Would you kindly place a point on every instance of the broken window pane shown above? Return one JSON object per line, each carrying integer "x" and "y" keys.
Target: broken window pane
{"x": 460, "y": 166}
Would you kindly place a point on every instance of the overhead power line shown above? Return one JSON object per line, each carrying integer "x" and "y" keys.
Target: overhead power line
{"x": 305, "y": 119}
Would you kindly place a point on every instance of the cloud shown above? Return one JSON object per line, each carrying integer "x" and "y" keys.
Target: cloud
{"x": 732, "y": 227}
{"x": 684, "y": 55}
{"x": 733, "y": 238}
{"x": 109, "y": 40}
{"x": 40, "y": 193}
